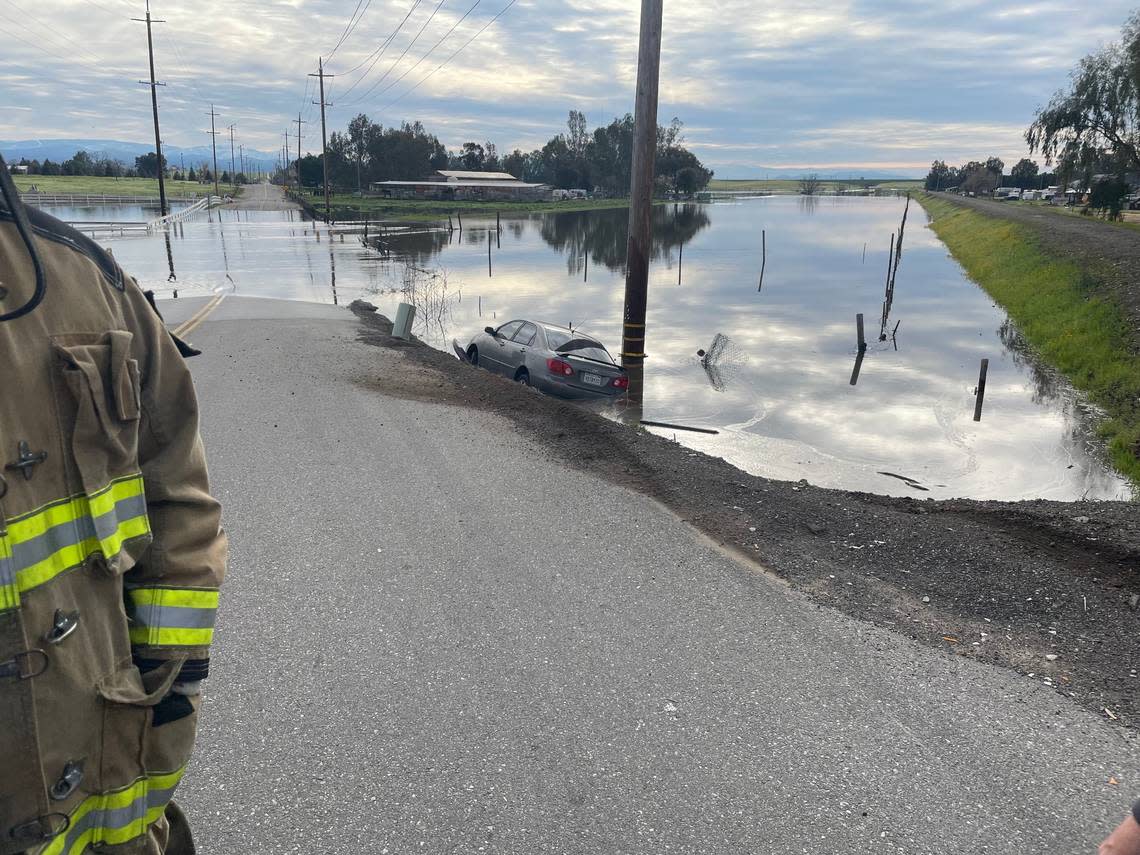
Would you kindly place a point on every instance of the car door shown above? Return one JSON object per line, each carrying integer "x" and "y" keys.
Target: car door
{"x": 496, "y": 353}
{"x": 518, "y": 347}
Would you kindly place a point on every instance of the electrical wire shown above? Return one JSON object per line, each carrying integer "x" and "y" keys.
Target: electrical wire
{"x": 56, "y": 33}
{"x": 450, "y": 58}
{"x": 379, "y": 52}
{"x": 351, "y": 26}
{"x": 411, "y": 44}
{"x": 98, "y": 69}
{"x": 421, "y": 59}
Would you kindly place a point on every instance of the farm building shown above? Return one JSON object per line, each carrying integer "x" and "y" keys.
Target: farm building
{"x": 460, "y": 185}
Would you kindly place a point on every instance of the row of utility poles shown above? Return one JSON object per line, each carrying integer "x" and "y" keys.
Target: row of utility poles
{"x": 213, "y": 132}
{"x": 321, "y": 75}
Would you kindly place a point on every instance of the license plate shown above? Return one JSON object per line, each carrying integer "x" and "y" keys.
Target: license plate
{"x": 593, "y": 379}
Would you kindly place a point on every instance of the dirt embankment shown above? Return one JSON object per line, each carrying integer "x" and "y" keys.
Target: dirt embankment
{"x": 1110, "y": 252}
{"x": 1047, "y": 588}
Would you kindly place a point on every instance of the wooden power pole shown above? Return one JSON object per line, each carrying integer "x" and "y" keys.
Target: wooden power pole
{"x": 214, "y": 144}
{"x": 641, "y": 185}
{"x": 299, "y": 122}
{"x": 233, "y": 174}
{"x": 324, "y": 138}
{"x": 154, "y": 107}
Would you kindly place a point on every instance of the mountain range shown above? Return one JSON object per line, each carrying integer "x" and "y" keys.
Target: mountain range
{"x": 126, "y": 152}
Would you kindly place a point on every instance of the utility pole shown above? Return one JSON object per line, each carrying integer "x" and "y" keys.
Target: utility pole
{"x": 154, "y": 107}
{"x": 241, "y": 158}
{"x": 233, "y": 175}
{"x": 299, "y": 122}
{"x": 324, "y": 138}
{"x": 214, "y": 144}
{"x": 641, "y": 185}
{"x": 285, "y": 162}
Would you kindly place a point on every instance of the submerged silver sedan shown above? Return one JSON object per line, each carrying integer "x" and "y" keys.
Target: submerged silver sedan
{"x": 557, "y": 360}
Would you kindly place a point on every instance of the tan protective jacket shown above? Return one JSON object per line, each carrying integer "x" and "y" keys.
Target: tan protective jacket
{"x": 110, "y": 552}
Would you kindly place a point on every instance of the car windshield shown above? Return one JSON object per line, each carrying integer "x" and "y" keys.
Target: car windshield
{"x": 566, "y": 341}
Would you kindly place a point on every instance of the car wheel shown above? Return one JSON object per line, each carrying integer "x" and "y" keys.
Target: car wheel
{"x": 523, "y": 376}
{"x": 473, "y": 355}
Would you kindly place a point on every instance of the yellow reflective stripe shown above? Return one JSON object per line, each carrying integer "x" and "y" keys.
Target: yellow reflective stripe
{"x": 94, "y": 820}
{"x": 159, "y": 636}
{"x": 189, "y": 598}
{"x": 71, "y": 556}
{"x": 35, "y": 523}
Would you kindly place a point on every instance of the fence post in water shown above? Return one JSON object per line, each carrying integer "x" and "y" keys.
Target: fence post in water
{"x": 859, "y": 329}
{"x": 459, "y": 214}
{"x": 488, "y": 253}
{"x": 763, "y": 257}
{"x": 498, "y": 224}
{"x": 480, "y": 305}
{"x": 680, "y": 261}
{"x": 586, "y": 274}
{"x": 981, "y": 393}
{"x": 450, "y": 225}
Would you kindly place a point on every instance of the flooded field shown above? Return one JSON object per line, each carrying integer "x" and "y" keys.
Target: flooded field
{"x": 783, "y": 386}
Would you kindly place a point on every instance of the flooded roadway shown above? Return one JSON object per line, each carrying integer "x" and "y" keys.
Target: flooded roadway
{"x": 778, "y": 383}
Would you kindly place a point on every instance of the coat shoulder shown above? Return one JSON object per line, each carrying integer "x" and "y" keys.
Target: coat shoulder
{"x": 48, "y": 227}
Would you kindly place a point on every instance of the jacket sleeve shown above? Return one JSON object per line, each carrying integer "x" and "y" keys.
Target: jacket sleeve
{"x": 1136, "y": 812}
{"x": 172, "y": 592}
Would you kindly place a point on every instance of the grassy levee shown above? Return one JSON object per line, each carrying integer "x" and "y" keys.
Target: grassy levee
{"x": 92, "y": 185}
{"x": 1062, "y": 311}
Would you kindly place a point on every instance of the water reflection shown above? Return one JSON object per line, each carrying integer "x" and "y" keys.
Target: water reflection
{"x": 780, "y": 391}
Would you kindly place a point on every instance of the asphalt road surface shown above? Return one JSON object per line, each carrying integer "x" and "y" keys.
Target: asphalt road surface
{"x": 434, "y": 639}
{"x": 262, "y": 197}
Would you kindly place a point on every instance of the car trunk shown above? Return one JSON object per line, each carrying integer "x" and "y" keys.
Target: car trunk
{"x": 590, "y": 374}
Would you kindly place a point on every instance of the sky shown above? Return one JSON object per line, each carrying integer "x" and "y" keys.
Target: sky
{"x": 823, "y": 85}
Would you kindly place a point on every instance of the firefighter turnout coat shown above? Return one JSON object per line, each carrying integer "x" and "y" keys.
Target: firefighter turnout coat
{"x": 110, "y": 550}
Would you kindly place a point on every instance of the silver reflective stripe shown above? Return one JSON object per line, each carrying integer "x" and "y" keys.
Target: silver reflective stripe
{"x": 100, "y": 821}
{"x": 175, "y": 617}
{"x": 9, "y": 595}
{"x": 40, "y": 548}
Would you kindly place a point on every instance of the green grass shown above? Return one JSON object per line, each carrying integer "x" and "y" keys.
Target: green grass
{"x": 351, "y": 207}
{"x": 792, "y": 185}
{"x": 93, "y": 186}
{"x": 1062, "y": 310}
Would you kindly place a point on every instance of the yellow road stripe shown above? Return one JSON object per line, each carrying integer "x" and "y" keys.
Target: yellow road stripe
{"x": 189, "y": 326}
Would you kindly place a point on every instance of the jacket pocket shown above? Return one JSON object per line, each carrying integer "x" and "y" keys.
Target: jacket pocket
{"x": 128, "y": 698}
{"x": 99, "y": 392}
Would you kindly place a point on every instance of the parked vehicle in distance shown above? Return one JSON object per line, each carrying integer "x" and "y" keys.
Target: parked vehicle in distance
{"x": 554, "y": 359}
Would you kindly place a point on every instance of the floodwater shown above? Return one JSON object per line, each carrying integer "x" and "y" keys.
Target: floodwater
{"x": 783, "y": 384}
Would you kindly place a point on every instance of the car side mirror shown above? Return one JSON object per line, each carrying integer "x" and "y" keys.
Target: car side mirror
{"x": 489, "y": 331}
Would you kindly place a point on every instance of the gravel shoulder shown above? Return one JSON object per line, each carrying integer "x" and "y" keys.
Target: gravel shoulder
{"x": 1110, "y": 252}
{"x": 1049, "y": 589}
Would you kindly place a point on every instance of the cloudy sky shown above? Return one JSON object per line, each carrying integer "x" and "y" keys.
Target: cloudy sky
{"x": 824, "y": 84}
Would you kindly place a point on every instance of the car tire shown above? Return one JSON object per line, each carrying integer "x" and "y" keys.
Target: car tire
{"x": 473, "y": 355}
{"x": 522, "y": 376}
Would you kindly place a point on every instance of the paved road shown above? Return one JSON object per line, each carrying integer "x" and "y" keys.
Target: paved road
{"x": 434, "y": 639}
{"x": 263, "y": 197}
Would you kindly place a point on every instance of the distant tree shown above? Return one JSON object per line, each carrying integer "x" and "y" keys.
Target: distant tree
{"x": 690, "y": 180}
{"x": 1107, "y": 197}
{"x": 976, "y": 178}
{"x": 995, "y": 165}
{"x": 810, "y": 185}
{"x": 491, "y": 160}
{"x": 1024, "y": 174}
{"x": 192, "y": 175}
{"x": 578, "y": 137}
{"x": 147, "y": 165}
{"x": 50, "y": 168}
{"x": 472, "y": 156}
{"x": 515, "y": 163}
{"x": 1101, "y": 111}
{"x": 941, "y": 176}
{"x": 225, "y": 179}
{"x": 312, "y": 174}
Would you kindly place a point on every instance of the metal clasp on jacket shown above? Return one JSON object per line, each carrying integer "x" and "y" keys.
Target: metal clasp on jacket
{"x": 26, "y": 665}
{"x": 27, "y": 459}
{"x": 63, "y": 624}
{"x": 41, "y": 828}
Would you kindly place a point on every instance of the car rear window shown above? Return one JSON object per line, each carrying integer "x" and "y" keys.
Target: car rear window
{"x": 569, "y": 342}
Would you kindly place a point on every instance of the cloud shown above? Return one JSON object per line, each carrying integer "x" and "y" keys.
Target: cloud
{"x": 786, "y": 82}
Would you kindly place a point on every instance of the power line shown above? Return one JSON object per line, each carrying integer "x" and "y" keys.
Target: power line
{"x": 86, "y": 61}
{"x": 379, "y": 52}
{"x": 384, "y": 76}
{"x": 351, "y": 26}
{"x": 446, "y": 61}
{"x": 55, "y": 32}
{"x": 431, "y": 50}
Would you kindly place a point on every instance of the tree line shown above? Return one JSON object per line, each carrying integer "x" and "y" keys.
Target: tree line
{"x": 145, "y": 166}
{"x": 1089, "y": 133}
{"x": 598, "y": 161}
{"x": 979, "y": 176}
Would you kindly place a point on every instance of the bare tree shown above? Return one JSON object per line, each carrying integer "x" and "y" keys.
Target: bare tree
{"x": 810, "y": 185}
